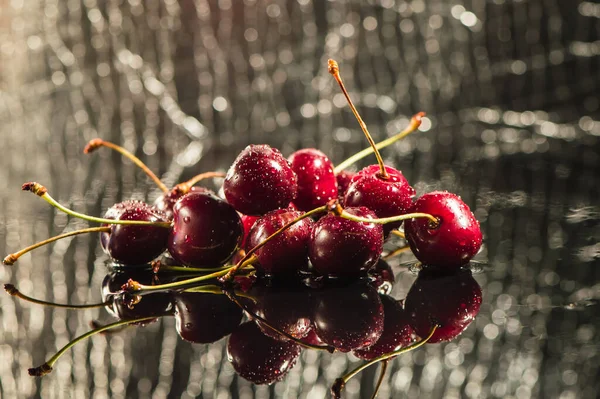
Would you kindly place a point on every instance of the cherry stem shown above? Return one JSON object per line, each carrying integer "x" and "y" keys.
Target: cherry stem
{"x": 12, "y": 258}
{"x": 399, "y": 233}
{"x": 186, "y": 186}
{"x": 42, "y": 192}
{"x": 434, "y": 222}
{"x": 334, "y": 70}
{"x": 339, "y": 384}
{"x": 94, "y": 144}
{"x": 397, "y": 251}
{"x": 384, "y": 366}
{"x": 415, "y": 122}
{"x": 135, "y": 287}
{"x": 229, "y": 276}
{"x": 46, "y": 368}
{"x": 12, "y": 290}
{"x": 158, "y": 267}
{"x": 233, "y": 298}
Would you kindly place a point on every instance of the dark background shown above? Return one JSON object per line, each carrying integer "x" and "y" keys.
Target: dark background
{"x": 511, "y": 89}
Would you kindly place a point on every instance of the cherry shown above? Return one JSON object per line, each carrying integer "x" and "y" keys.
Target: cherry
{"x": 451, "y": 242}
{"x": 204, "y": 318}
{"x": 247, "y": 221}
{"x": 316, "y": 181}
{"x": 386, "y": 196}
{"x": 132, "y": 244}
{"x": 287, "y": 252}
{"x": 397, "y": 331}
{"x": 343, "y": 179}
{"x": 260, "y": 180}
{"x": 258, "y": 358}
{"x": 348, "y": 317}
{"x": 450, "y": 299}
{"x": 382, "y": 277}
{"x": 167, "y": 201}
{"x": 206, "y": 230}
{"x": 342, "y": 247}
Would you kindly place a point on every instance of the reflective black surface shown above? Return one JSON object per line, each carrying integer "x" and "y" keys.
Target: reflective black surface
{"x": 511, "y": 93}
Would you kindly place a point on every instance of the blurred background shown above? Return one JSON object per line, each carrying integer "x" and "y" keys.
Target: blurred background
{"x": 511, "y": 91}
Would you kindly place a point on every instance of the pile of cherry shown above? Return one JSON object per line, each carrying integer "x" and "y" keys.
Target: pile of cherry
{"x": 289, "y": 218}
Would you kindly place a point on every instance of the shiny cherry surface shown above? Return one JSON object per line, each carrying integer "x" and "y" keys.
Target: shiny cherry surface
{"x": 260, "y": 180}
{"x": 316, "y": 181}
{"x": 342, "y": 247}
{"x": 206, "y": 230}
{"x": 131, "y": 244}
{"x": 287, "y": 252}
{"x": 344, "y": 178}
{"x": 456, "y": 238}
{"x": 166, "y": 201}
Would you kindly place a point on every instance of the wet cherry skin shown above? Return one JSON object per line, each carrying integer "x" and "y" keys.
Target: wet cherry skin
{"x": 258, "y": 358}
{"x": 349, "y": 316}
{"x": 166, "y": 202}
{"x": 130, "y": 244}
{"x": 205, "y": 318}
{"x": 206, "y": 230}
{"x": 455, "y": 240}
{"x": 449, "y": 298}
{"x": 247, "y": 222}
{"x": 316, "y": 181}
{"x": 344, "y": 178}
{"x": 386, "y": 197}
{"x": 382, "y": 277}
{"x": 260, "y": 180}
{"x": 341, "y": 247}
{"x": 287, "y": 252}
{"x": 397, "y": 331}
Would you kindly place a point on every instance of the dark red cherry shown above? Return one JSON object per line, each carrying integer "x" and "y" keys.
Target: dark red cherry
{"x": 206, "y": 230}
{"x": 258, "y": 358}
{"x": 456, "y": 238}
{"x": 450, "y": 299}
{"x": 342, "y": 247}
{"x": 386, "y": 197}
{"x": 125, "y": 306}
{"x": 204, "y": 318}
{"x": 316, "y": 181}
{"x": 260, "y": 180}
{"x": 397, "y": 331}
{"x": 285, "y": 306}
{"x": 134, "y": 244}
{"x": 287, "y": 252}
{"x": 344, "y": 178}
{"x": 166, "y": 202}
{"x": 348, "y": 317}
{"x": 247, "y": 222}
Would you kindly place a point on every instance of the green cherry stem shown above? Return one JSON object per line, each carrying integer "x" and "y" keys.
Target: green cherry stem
{"x": 434, "y": 222}
{"x": 46, "y": 368}
{"x": 397, "y": 251}
{"x": 339, "y": 384}
{"x": 158, "y": 267}
{"x": 399, "y": 233}
{"x": 229, "y": 276}
{"x": 415, "y": 122}
{"x": 334, "y": 70}
{"x": 12, "y": 290}
{"x": 384, "y": 366}
{"x": 12, "y": 258}
{"x": 42, "y": 192}
{"x": 94, "y": 144}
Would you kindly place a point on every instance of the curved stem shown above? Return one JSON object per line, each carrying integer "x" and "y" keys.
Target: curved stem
{"x": 433, "y": 220}
{"x": 399, "y": 233}
{"x": 97, "y": 143}
{"x": 41, "y": 191}
{"x": 12, "y": 290}
{"x": 251, "y": 252}
{"x": 384, "y": 366}
{"x": 12, "y": 258}
{"x": 334, "y": 70}
{"x": 187, "y": 185}
{"x": 339, "y": 384}
{"x": 46, "y": 368}
{"x": 397, "y": 251}
{"x": 415, "y": 122}
{"x": 185, "y": 269}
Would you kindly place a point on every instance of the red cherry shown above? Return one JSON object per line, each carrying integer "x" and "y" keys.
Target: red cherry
{"x": 166, "y": 202}
{"x": 343, "y": 178}
{"x": 342, "y": 247}
{"x": 287, "y": 252}
{"x": 247, "y": 221}
{"x": 456, "y": 238}
{"x": 260, "y": 180}
{"x": 386, "y": 197}
{"x": 316, "y": 181}
{"x": 450, "y": 299}
{"x": 206, "y": 230}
